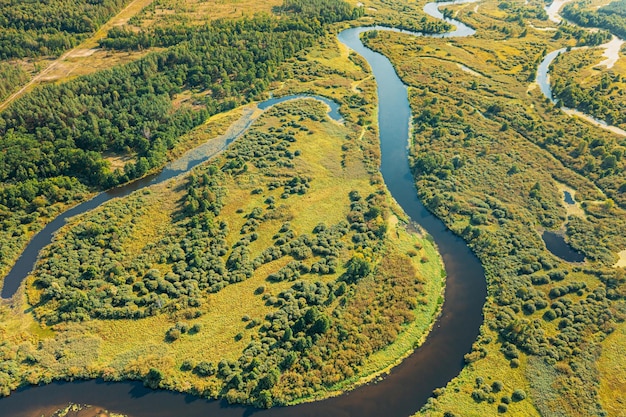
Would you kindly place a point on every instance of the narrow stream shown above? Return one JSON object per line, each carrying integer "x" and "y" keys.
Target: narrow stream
{"x": 555, "y": 242}
{"x": 543, "y": 73}
{"x": 401, "y": 393}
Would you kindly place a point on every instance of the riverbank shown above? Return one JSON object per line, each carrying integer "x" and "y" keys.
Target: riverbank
{"x": 488, "y": 156}
{"x": 157, "y": 328}
{"x": 422, "y": 260}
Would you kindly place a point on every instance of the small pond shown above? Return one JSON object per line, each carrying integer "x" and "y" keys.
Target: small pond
{"x": 559, "y": 247}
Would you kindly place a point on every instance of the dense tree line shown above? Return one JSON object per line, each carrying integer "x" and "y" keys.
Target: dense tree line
{"x": 611, "y": 17}
{"x": 11, "y": 76}
{"x": 64, "y": 128}
{"x": 298, "y": 16}
{"x": 324, "y": 11}
{"x": 33, "y": 28}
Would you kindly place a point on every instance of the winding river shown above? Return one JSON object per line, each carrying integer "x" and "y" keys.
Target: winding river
{"x": 401, "y": 393}
{"x": 186, "y": 162}
{"x": 543, "y": 71}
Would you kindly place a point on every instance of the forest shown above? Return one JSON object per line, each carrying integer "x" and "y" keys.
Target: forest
{"x": 11, "y": 76}
{"x": 59, "y": 133}
{"x": 611, "y": 17}
{"x": 32, "y": 28}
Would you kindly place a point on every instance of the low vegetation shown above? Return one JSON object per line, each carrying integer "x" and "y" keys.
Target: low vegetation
{"x": 484, "y": 163}
{"x": 279, "y": 271}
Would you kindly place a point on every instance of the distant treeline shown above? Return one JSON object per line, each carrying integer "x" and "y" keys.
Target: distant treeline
{"x": 611, "y": 17}
{"x": 309, "y": 17}
{"x": 30, "y": 28}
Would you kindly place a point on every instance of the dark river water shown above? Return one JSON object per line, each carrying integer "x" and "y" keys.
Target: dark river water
{"x": 408, "y": 386}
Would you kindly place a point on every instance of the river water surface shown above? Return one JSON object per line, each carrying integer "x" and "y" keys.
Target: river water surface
{"x": 401, "y": 393}
{"x": 612, "y": 49}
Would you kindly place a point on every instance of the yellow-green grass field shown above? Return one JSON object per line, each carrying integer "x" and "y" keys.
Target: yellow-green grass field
{"x": 503, "y": 65}
{"x": 612, "y": 368}
{"x": 339, "y": 158}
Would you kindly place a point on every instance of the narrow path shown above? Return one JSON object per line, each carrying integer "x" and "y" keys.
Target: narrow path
{"x": 122, "y": 17}
{"x": 355, "y": 84}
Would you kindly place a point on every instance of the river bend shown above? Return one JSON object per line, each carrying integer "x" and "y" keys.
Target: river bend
{"x": 543, "y": 71}
{"x": 408, "y": 386}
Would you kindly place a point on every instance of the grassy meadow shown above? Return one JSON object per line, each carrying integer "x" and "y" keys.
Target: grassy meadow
{"x": 187, "y": 345}
{"x": 492, "y": 158}
{"x": 260, "y": 277}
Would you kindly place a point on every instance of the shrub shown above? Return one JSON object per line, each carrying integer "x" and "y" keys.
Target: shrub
{"x": 172, "y": 334}
{"x": 153, "y": 378}
{"x": 204, "y": 369}
{"x": 479, "y": 395}
{"x": 518, "y": 395}
{"x": 549, "y": 315}
{"x": 497, "y": 386}
{"x": 186, "y": 366}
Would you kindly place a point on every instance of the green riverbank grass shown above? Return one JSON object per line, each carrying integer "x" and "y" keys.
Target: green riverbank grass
{"x": 338, "y": 158}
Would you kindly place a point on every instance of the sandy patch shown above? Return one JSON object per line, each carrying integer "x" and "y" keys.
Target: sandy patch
{"x": 118, "y": 161}
{"x": 355, "y": 85}
{"x": 621, "y": 263}
{"x": 571, "y": 209}
{"x": 469, "y": 70}
{"x": 611, "y": 52}
{"x": 80, "y": 53}
{"x": 553, "y": 10}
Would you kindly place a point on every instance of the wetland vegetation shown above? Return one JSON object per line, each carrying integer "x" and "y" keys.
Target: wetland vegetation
{"x": 282, "y": 270}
